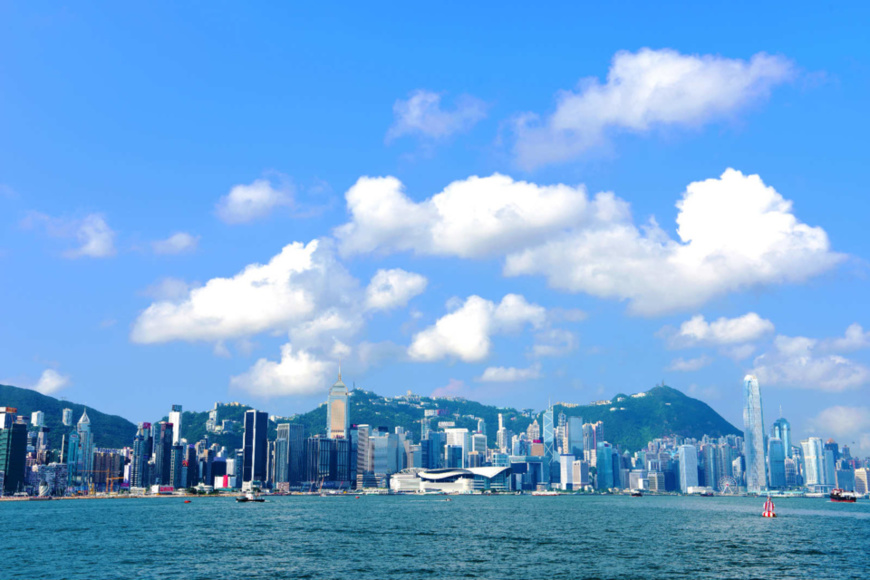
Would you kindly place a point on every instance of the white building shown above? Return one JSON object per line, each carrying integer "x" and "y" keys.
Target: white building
{"x": 688, "y": 467}
{"x": 476, "y": 479}
{"x": 460, "y": 438}
{"x": 566, "y": 471}
{"x": 37, "y": 419}
{"x": 175, "y": 419}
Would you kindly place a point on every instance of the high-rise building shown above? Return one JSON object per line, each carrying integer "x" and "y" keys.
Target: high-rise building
{"x": 141, "y": 455}
{"x": 753, "y": 436}
{"x": 549, "y": 435}
{"x": 162, "y": 453}
{"x": 776, "y": 463}
{"x": 534, "y": 431}
{"x": 688, "y": 455}
{"x": 254, "y": 448}
{"x": 862, "y": 481}
{"x": 566, "y": 468}
{"x": 815, "y": 475}
{"x": 86, "y": 448}
{"x": 337, "y": 412}
{"x": 68, "y": 417}
{"x": 461, "y": 439}
{"x": 782, "y": 430}
{"x": 604, "y": 466}
{"x": 175, "y": 419}
{"x": 37, "y": 419}
{"x": 282, "y": 454}
{"x": 13, "y": 451}
{"x": 575, "y": 436}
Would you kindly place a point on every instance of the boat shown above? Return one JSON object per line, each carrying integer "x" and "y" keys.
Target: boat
{"x": 249, "y": 497}
{"x": 636, "y": 493}
{"x": 545, "y": 493}
{"x": 768, "y": 509}
{"x": 842, "y": 496}
{"x": 707, "y": 494}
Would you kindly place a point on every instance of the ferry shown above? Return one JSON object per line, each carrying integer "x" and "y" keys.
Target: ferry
{"x": 546, "y": 493}
{"x": 839, "y": 495}
{"x": 636, "y": 493}
{"x": 249, "y": 497}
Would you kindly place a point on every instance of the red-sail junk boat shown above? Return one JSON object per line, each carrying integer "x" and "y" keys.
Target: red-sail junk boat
{"x": 768, "y": 509}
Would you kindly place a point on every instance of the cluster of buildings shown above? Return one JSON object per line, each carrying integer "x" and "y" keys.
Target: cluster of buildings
{"x": 559, "y": 452}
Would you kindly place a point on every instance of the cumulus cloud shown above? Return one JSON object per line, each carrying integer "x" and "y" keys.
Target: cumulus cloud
{"x": 689, "y": 365}
{"x": 554, "y": 342}
{"x": 393, "y": 288}
{"x": 848, "y": 424}
{"x": 177, "y": 243}
{"x": 247, "y": 203}
{"x": 734, "y": 233}
{"x": 466, "y": 332}
{"x": 723, "y": 331}
{"x": 297, "y": 373}
{"x": 96, "y": 239}
{"x": 510, "y": 374}
{"x": 471, "y": 218}
{"x": 169, "y": 289}
{"x": 799, "y": 362}
{"x": 51, "y": 382}
{"x": 296, "y": 286}
{"x": 646, "y": 90}
{"x": 854, "y": 339}
{"x": 421, "y": 114}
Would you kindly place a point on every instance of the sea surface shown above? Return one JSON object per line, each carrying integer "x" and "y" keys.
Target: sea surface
{"x": 409, "y": 537}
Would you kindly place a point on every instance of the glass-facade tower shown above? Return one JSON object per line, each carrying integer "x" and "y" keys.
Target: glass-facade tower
{"x": 753, "y": 436}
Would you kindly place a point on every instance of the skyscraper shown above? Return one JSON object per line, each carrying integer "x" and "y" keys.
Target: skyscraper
{"x": 575, "y": 436}
{"x": 254, "y": 448}
{"x": 782, "y": 430}
{"x": 13, "y": 450}
{"x": 141, "y": 455}
{"x": 688, "y": 467}
{"x": 815, "y": 475}
{"x": 86, "y": 445}
{"x": 175, "y": 419}
{"x": 337, "y": 415}
{"x": 282, "y": 454}
{"x": 68, "y": 417}
{"x": 753, "y": 436}
{"x": 776, "y": 462}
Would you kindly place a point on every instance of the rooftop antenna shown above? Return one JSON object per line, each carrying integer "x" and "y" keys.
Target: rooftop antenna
{"x": 780, "y": 411}
{"x": 339, "y": 369}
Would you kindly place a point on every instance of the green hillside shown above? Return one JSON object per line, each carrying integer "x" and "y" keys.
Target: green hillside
{"x": 109, "y": 430}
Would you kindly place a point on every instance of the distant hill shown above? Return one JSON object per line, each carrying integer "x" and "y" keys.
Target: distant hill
{"x": 109, "y": 431}
{"x": 630, "y": 421}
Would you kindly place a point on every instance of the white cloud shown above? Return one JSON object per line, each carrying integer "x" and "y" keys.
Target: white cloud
{"x": 723, "y": 331}
{"x": 854, "y": 339}
{"x": 554, "y": 342}
{"x": 798, "y": 362}
{"x": 297, "y": 373}
{"x": 734, "y": 233}
{"x": 177, "y": 243}
{"x": 96, "y": 238}
{"x": 51, "y": 382}
{"x": 297, "y": 286}
{"x": 421, "y": 114}
{"x": 689, "y": 365}
{"x": 466, "y": 332}
{"x": 851, "y": 425}
{"x": 509, "y": 374}
{"x": 393, "y": 288}
{"x": 476, "y": 217}
{"x": 169, "y": 289}
{"x": 246, "y": 203}
{"x": 646, "y": 90}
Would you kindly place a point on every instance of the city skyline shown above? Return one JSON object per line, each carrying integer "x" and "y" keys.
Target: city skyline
{"x": 505, "y": 221}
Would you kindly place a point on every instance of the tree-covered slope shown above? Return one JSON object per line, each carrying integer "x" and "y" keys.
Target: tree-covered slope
{"x": 109, "y": 430}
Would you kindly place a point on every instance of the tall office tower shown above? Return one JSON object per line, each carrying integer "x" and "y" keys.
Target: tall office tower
{"x": 337, "y": 415}
{"x": 453, "y": 458}
{"x": 212, "y": 423}
{"x": 295, "y": 453}
{"x": 282, "y": 454}
{"x": 575, "y": 436}
{"x": 460, "y": 438}
{"x": 162, "y": 453}
{"x": 862, "y": 480}
{"x": 478, "y": 444}
{"x": 753, "y": 436}
{"x": 254, "y": 447}
{"x": 424, "y": 428}
{"x": 549, "y": 435}
{"x": 68, "y": 417}
{"x": 782, "y": 430}
{"x": 829, "y": 465}
{"x": 502, "y": 436}
{"x": 13, "y": 451}
{"x": 604, "y": 477}
{"x": 434, "y": 455}
{"x": 86, "y": 445}
{"x": 688, "y": 455}
{"x": 834, "y": 448}
{"x": 814, "y": 472}
{"x": 481, "y": 426}
{"x": 726, "y": 457}
{"x": 534, "y": 431}
{"x": 175, "y": 419}
{"x": 37, "y": 419}
{"x": 776, "y": 463}
{"x": 141, "y": 455}
{"x": 710, "y": 455}
{"x": 176, "y": 463}
{"x": 566, "y": 467}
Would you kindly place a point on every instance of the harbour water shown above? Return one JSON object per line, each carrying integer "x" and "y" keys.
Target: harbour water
{"x": 408, "y": 537}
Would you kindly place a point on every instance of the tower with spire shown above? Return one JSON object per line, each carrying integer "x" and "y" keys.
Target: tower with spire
{"x": 337, "y": 411}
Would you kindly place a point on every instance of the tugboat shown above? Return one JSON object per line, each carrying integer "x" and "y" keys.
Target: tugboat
{"x": 839, "y": 495}
{"x": 249, "y": 497}
{"x": 768, "y": 509}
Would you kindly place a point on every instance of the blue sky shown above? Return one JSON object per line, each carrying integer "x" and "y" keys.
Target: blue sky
{"x": 147, "y": 152}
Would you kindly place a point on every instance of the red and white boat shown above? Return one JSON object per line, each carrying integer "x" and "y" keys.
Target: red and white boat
{"x": 768, "y": 509}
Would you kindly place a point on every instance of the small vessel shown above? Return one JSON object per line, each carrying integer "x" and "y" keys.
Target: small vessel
{"x": 187, "y": 501}
{"x": 768, "y": 509}
{"x": 839, "y": 495}
{"x": 545, "y": 493}
{"x": 249, "y": 497}
{"x": 707, "y": 494}
{"x": 636, "y": 493}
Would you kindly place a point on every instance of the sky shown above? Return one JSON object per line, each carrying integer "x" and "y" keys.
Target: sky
{"x": 511, "y": 204}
